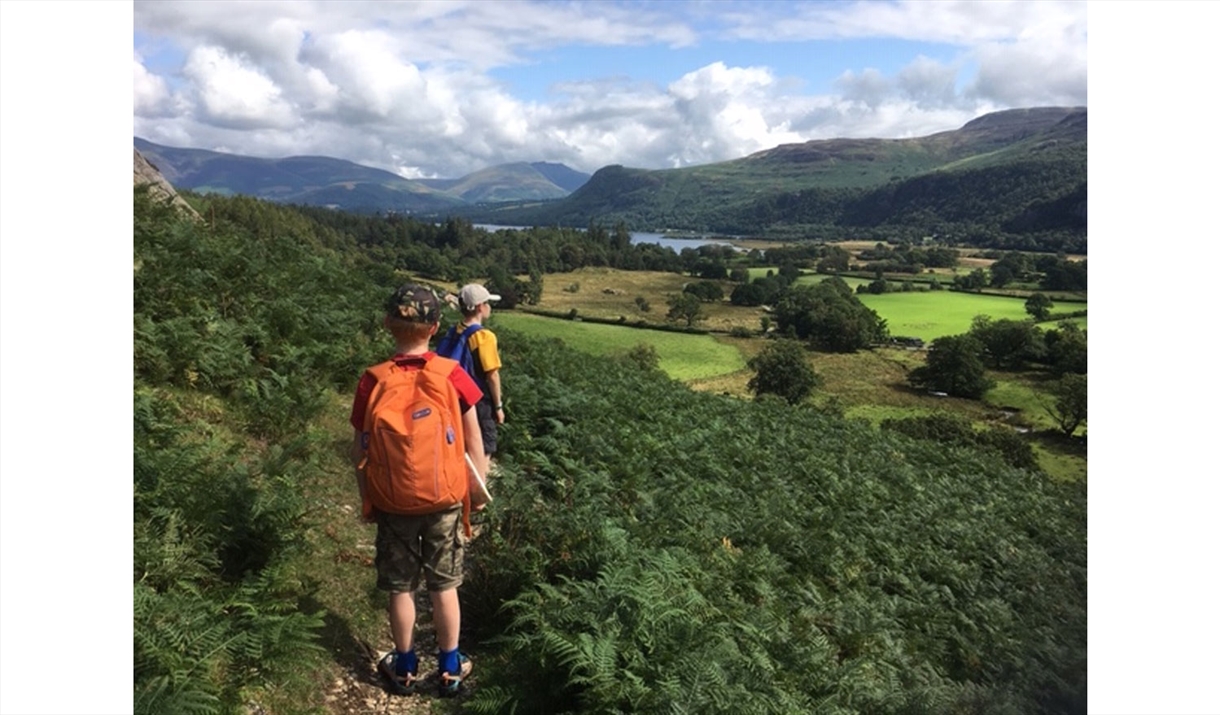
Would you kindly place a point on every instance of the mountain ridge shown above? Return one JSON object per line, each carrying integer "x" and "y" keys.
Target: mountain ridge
{"x": 338, "y": 183}
{"x": 1016, "y": 178}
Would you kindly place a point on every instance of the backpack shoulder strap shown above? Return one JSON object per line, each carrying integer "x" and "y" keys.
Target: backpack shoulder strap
{"x": 382, "y": 370}
{"x": 440, "y": 365}
{"x": 449, "y": 342}
{"x": 470, "y": 330}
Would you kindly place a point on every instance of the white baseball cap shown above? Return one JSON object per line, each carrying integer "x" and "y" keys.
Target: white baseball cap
{"x": 473, "y": 295}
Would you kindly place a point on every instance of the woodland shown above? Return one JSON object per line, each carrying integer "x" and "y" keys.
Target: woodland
{"x": 651, "y": 548}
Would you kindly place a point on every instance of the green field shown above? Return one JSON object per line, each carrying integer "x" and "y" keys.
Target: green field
{"x": 683, "y": 357}
{"x": 934, "y": 314}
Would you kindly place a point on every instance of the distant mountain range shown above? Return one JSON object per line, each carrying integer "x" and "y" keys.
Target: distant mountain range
{"x": 325, "y": 181}
{"x": 1016, "y": 178}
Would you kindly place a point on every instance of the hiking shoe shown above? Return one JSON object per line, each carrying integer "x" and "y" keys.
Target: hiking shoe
{"x": 399, "y": 684}
{"x": 450, "y": 684}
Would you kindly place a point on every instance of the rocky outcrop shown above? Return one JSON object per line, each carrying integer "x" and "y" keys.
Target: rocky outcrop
{"x": 147, "y": 173}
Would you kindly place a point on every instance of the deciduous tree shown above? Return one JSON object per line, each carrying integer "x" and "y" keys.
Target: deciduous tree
{"x": 782, "y": 369}
{"x": 706, "y": 291}
{"x": 1071, "y": 407}
{"x": 1039, "y": 306}
{"x": 1008, "y": 344}
{"x": 975, "y": 280}
{"x": 829, "y": 316}
{"x": 685, "y": 306}
{"x": 954, "y": 366}
{"x": 1067, "y": 348}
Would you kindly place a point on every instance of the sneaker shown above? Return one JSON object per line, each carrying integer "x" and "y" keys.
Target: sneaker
{"x": 450, "y": 684}
{"x": 399, "y": 684}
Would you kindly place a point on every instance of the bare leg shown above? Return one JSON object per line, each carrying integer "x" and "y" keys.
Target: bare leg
{"x": 402, "y": 619}
{"x": 447, "y": 617}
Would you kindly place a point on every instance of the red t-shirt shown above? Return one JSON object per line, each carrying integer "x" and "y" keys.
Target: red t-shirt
{"x": 468, "y": 392}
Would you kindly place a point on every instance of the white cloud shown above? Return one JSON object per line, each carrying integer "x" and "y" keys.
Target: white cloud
{"x": 322, "y": 95}
{"x": 1028, "y": 53}
{"x": 928, "y": 83}
{"x": 723, "y": 114}
{"x": 150, "y": 92}
{"x": 233, "y": 94}
{"x": 417, "y": 87}
{"x": 868, "y": 87}
{"x": 1030, "y": 74}
{"x": 957, "y": 22}
{"x": 375, "y": 84}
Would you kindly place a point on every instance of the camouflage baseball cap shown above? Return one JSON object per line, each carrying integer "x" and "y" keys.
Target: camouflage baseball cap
{"x": 416, "y": 303}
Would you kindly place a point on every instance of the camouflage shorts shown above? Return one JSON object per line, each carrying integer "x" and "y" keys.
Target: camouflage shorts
{"x": 428, "y": 547}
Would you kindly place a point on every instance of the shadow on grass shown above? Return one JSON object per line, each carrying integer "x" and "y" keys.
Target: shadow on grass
{"x": 1057, "y": 442}
{"x": 357, "y": 657}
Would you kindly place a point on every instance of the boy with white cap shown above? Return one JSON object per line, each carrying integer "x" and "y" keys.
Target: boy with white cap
{"x": 475, "y": 301}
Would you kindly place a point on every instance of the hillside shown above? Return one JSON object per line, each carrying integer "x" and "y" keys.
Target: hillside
{"x": 325, "y": 181}
{"x": 1015, "y": 178}
{"x": 506, "y": 182}
{"x": 650, "y": 549}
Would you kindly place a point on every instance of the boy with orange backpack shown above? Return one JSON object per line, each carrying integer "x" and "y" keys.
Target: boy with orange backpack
{"x": 415, "y": 429}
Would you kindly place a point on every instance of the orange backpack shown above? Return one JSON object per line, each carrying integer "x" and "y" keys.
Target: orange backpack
{"x": 415, "y": 450}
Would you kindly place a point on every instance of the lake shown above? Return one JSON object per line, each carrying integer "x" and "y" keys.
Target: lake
{"x": 677, "y": 244}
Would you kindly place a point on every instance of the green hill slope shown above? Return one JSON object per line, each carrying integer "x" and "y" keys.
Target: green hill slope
{"x": 506, "y": 182}
{"x": 1015, "y": 177}
{"x": 650, "y": 549}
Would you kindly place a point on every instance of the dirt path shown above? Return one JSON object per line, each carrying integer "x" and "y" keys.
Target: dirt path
{"x": 360, "y": 689}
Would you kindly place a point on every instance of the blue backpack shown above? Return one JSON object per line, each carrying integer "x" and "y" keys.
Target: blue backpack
{"x": 456, "y": 346}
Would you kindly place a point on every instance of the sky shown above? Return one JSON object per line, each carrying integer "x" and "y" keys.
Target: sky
{"x": 441, "y": 89}
{"x": 66, "y": 122}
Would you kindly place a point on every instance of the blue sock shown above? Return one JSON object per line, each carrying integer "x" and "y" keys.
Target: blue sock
{"x": 448, "y": 660}
{"x": 406, "y": 662}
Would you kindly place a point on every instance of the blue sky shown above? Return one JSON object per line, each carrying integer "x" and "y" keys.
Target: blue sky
{"x": 813, "y": 67}
{"x": 442, "y": 89}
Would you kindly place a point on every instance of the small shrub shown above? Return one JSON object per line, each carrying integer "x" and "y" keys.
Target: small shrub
{"x": 645, "y": 356}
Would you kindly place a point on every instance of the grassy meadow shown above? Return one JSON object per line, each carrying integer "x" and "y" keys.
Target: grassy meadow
{"x": 610, "y": 293}
{"x": 682, "y": 357}
{"x": 933, "y": 314}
